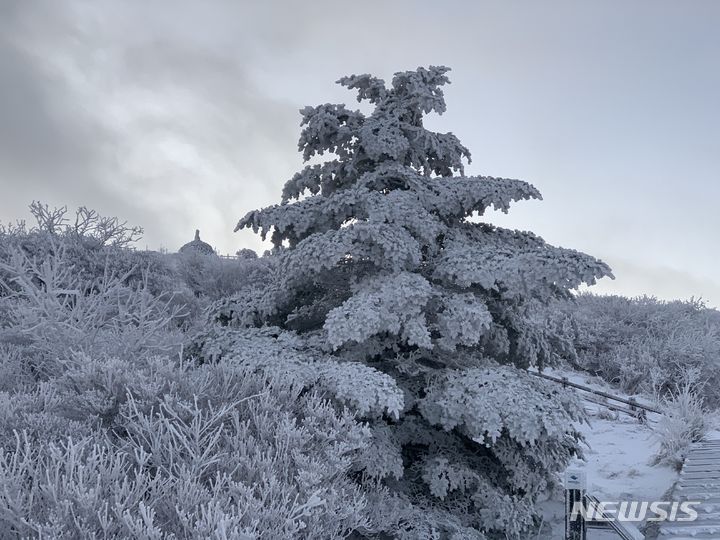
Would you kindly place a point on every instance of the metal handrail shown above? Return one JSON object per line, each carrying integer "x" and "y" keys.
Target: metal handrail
{"x": 624, "y": 530}
{"x": 565, "y": 382}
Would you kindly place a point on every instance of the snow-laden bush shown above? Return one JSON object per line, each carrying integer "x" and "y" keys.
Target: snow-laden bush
{"x": 379, "y": 268}
{"x": 209, "y": 452}
{"x": 95, "y": 246}
{"x": 215, "y": 278}
{"x": 105, "y": 432}
{"x": 51, "y": 311}
{"x": 685, "y": 420}
{"x": 87, "y": 227}
{"x": 644, "y": 344}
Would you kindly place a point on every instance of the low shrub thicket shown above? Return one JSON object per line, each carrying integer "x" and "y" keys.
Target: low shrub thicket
{"x": 645, "y": 345}
{"x": 106, "y": 432}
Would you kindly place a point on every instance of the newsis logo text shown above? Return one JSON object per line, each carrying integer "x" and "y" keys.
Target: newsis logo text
{"x": 635, "y": 511}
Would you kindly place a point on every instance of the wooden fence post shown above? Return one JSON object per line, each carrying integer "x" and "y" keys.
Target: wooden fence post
{"x": 575, "y": 486}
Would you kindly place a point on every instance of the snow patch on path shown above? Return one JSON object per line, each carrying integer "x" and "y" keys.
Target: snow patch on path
{"x": 617, "y": 463}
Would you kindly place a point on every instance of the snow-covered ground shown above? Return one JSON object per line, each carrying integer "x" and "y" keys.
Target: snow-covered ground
{"x": 617, "y": 462}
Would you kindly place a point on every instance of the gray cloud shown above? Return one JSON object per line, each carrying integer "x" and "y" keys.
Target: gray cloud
{"x": 146, "y": 121}
{"x": 180, "y": 114}
{"x": 44, "y": 134}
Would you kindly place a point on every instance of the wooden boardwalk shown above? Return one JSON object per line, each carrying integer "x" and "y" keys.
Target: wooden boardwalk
{"x": 699, "y": 481}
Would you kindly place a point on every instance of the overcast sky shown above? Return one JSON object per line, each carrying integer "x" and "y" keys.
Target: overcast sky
{"x": 178, "y": 115}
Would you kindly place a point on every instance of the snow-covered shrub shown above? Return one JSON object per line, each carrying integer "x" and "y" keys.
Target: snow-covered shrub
{"x": 209, "y": 452}
{"x": 685, "y": 420}
{"x": 38, "y": 411}
{"x": 51, "y": 311}
{"x": 644, "y": 344}
{"x": 14, "y": 371}
{"x": 378, "y": 265}
{"x": 106, "y": 432}
{"x": 216, "y": 278}
{"x": 96, "y": 245}
{"x": 87, "y": 227}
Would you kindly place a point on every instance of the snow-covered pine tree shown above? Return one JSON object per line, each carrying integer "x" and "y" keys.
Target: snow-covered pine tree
{"x": 381, "y": 267}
